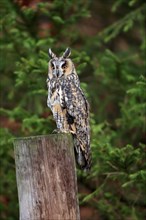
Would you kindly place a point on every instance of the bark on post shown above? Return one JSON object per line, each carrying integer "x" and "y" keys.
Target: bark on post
{"x": 46, "y": 178}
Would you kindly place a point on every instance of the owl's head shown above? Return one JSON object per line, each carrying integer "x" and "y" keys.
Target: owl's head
{"x": 60, "y": 66}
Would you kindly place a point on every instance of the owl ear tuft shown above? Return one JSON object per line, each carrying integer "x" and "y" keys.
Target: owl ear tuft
{"x": 51, "y": 54}
{"x": 67, "y": 53}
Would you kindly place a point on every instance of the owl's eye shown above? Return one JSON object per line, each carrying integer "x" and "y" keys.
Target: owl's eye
{"x": 64, "y": 65}
{"x": 52, "y": 66}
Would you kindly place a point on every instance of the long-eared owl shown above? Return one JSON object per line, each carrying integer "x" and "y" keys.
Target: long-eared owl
{"x": 68, "y": 104}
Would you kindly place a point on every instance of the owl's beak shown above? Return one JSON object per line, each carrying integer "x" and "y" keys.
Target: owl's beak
{"x": 57, "y": 73}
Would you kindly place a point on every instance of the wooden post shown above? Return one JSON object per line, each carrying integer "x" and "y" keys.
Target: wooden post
{"x": 46, "y": 178}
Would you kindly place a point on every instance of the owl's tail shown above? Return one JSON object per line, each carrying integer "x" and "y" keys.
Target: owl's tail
{"x": 82, "y": 154}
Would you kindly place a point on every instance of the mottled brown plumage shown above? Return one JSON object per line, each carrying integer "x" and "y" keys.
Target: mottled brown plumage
{"x": 69, "y": 106}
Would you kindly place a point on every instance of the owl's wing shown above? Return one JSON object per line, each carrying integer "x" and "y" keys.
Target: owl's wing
{"x": 78, "y": 111}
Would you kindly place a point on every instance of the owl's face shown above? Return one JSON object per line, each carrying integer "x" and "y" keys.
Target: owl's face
{"x": 60, "y": 66}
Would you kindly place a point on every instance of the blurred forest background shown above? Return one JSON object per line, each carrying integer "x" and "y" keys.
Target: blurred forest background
{"x": 107, "y": 39}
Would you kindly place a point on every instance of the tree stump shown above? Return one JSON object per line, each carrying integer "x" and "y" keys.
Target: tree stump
{"x": 46, "y": 177}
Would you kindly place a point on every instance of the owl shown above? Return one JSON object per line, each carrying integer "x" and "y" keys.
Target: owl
{"x": 69, "y": 105}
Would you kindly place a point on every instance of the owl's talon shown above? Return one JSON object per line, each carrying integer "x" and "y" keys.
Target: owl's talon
{"x": 55, "y": 131}
{"x": 59, "y": 131}
{"x": 64, "y": 131}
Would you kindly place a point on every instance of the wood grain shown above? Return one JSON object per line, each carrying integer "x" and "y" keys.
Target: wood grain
{"x": 46, "y": 178}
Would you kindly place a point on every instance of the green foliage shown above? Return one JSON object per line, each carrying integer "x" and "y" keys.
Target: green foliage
{"x": 113, "y": 79}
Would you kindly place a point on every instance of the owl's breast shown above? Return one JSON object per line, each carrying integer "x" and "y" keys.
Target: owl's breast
{"x": 55, "y": 94}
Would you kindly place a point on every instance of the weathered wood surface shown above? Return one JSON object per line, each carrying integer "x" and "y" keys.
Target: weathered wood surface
{"x": 46, "y": 178}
